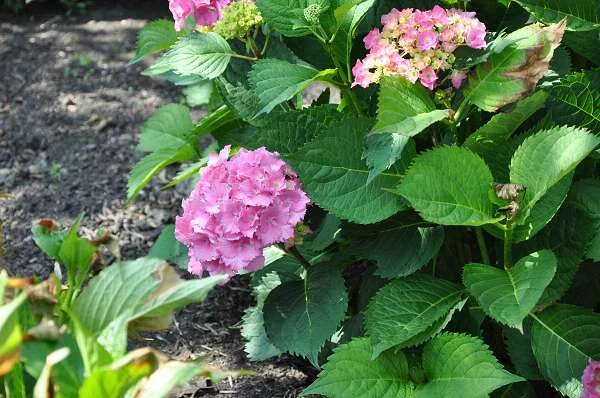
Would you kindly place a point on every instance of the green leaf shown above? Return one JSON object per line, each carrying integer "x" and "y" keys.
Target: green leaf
{"x": 114, "y": 381}
{"x": 584, "y": 44}
{"x": 508, "y": 295}
{"x": 324, "y": 236}
{"x": 335, "y": 177}
{"x": 582, "y": 15}
{"x": 169, "y": 376}
{"x": 170, "y": 127}
{"x": 439, "y": 187}
{"x": 13, "y": 383}
{"x": 147, "y": 286}
{"x": 575, "y": 100}
{"x": 567, "y": 236}
{"x": 203, "y": 54}
{"x": 514, "y": 71}
{"x": 286, "y": 16}
{"x": 402, "y": 250}
{"x": 258, "y": 346}
{"x": 10, "y": 332}
{"x": 343, "y": 37}
{"x": 301, "y": 315}
{"x": 518, "y": 347}
{"x": 502, "y": 125}
{"x": 76, "y": 253}
{"x": 564, "y": 338}
{"x": 545, "y": 158}
{"x": 455, "y": 363}
{"x": 153, "y": 163}
{"x": 155, "y": 36}
{"x": 351, "y": 373}
{"x": 584, "y": 196}
{"x": 402, "y": 312}
{"x": 48, "y": 240}
{"x": 404, "y": 110}
{"x": 286, "y": 132}
{"x": 168, "y": 248}
{"x": 274, "y": 81}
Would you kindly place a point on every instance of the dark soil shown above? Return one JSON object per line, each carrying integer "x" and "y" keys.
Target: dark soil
{"x": 70, "y": 110}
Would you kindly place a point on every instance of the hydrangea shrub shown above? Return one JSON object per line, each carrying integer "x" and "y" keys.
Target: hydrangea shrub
{"x": 413, "y": 186}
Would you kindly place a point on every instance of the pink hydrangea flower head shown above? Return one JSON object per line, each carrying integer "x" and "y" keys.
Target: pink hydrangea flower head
{"x": 457, "y": 77}
{"x": 206, "y": 12}
{"x": 425, "y": 39}
{"x": 238, "y": 207}
{"x": 591, "y": 380}
{"x": 180, "y": 9}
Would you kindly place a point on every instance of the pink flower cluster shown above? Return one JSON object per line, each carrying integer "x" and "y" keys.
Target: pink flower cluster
{"x": 591, "y": 380}
{"x": 417, "y": 45}
{"x": 239, "y": 207}
{"x": 206, "y": 12}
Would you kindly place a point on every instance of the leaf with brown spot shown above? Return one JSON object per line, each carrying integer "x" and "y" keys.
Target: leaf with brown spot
{"x": 512, "y": 73}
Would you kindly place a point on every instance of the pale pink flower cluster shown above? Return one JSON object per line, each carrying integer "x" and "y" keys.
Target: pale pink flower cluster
{"x": 591, "y": 380}
{"x": 418, "y": 45}
{"x": 239, "y": 207}
{"x": 206, "y": 12}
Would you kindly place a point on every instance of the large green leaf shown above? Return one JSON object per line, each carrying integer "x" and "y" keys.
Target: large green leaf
{"x": 518, "y": 348}
{"x": 439, "y": 187}
{"x": 300, "y": 316}
{"x": 502, "y": 125}
{"x": 155, "y": 36}
{"x": 545, "y": 158}
{"x": 335, "y": 176}
{"x": 514, "y": 71}
{"x": 402, "y": 250}
{"x": 274, "y": 81}
{"x": 581, "y": 15}
{"x": 341, "y": 44}
{"x": 508, "y": 295}
{"x": 147, "y": 286}
{"x": 575, "y": 100}
{"x": 203, "y": 54}
{"x": 404, "y": 110}
{"x": 458, "y": 365}
{"x": 258, "y": 346}
{"x": 584, "y": 195}
{"x": 584, "y": 44}
{"x": 286, "y": 132}
{"x": 402, "y": 312}
{"x": 170, "y": 127}
{"x": 351, "y": 373}
{"x": 564, "y": 338}
{"x": 286, "y": 16}
{"x": 567, "y": 236}
{"x": 10, "y": 332}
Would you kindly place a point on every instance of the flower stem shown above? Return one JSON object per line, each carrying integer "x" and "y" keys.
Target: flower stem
{"x": 508, "y": 248}
{"x": 240, "y": 56}
{"x": 267, "y": 42}
{"x": 485, "y": 257}
{"x": 294, "y": 252}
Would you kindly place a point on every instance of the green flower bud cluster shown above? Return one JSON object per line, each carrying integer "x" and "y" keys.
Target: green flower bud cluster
{"x": 312, "y": 12}
{"x": 238, "y": 18}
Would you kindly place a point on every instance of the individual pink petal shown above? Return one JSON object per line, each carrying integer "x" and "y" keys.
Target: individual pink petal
{"x": 180, "y": 9}
{"x": 427, "y": 77}
{"x": 371, "y": 38}
{"x": 427, "y": 40}
{"x": 457, "y": 77}
{"x": 591, "y": 380}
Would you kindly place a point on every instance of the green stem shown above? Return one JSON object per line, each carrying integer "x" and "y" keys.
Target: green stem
{"x": 240, "y": 56}
{"x": 461, "y": 109}
{"x": 485, "y": 257}
{"x": 294, "y": 252}
{"x": 508, "y": 248}
{"x": 355, "y": 101}
{"x": 266, "y": 45}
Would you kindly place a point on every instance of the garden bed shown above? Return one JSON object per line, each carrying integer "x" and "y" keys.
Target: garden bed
{"x": 70, "y": 110}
